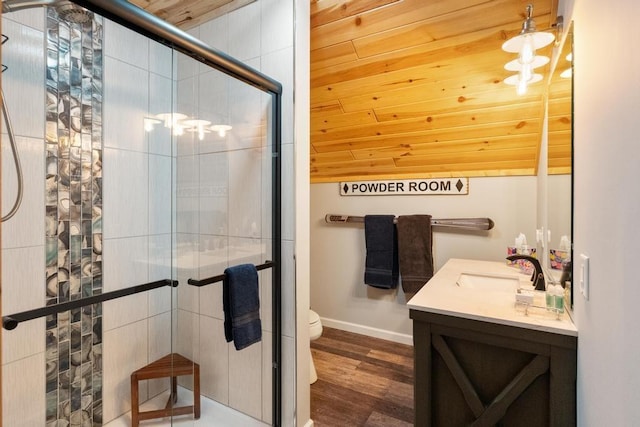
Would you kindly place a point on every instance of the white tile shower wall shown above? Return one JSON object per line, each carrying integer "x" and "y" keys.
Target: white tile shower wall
{"x": 160, "y": 327}
{"x": 214, "y": 359}
{"x": 245, "y": 193}
{"x": 160, "y": 186}
{"x": 216, "y": 34}
{"x": 22, "y": 406}
{"x": 125, "y": 350}
{"x": 267, "y": 374}
{"x": 276, "y": 31}
{"x": 138, "y": 178}
{"x": 161, "y": 95}
{"x": 214, "y": 193}
{"x": 245, "y": 379}
{"x": 33, "y": 18}
{"x": 26, "y": 228}
{"x": 261, "y": 35}
{"x": 279, "y": 65}
{"x": 244, "y": 32}
{"x": 161, "y": 60}
{"x": 126, "y": 191}
{"x": 22, "y": 281}
{"x": 24, "y": 77}
{"x": 23, "y": 249}
{"x": 128, "y": 46}
{"x": 160, "y": 268}
{"x": 126, "y": 103}
{"x": 126, "y": 264}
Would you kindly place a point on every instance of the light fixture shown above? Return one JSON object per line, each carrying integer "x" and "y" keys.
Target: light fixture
{"x": 149, "y": 123}
{"x": 221, "y": 129}
{"x": 170, "y": 119}
{"x": 525, "y": 45}
{"x": 173, "y": 121}
{"x": 179, "y": 123}
{"x": 197, "y": 125}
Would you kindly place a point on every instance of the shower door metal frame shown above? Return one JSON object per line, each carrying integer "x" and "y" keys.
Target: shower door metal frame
{"x": 154, "y": 28}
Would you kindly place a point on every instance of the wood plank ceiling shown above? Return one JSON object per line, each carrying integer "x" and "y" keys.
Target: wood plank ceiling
{"x": 189, "y": 13}
{"x": 414, "y": 88}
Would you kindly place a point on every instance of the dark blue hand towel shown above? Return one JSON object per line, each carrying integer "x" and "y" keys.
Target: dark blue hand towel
{"x": 241, "y": 304}
{"x": 381, "y": 265}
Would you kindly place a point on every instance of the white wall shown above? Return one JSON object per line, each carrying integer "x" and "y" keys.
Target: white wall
{"x": 338, "y": 293}
{"x": 607, "y": 208}
{"x": 302, "y": 201}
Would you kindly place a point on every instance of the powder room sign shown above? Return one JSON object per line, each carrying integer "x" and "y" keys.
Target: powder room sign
{"x": 454, "y": 186}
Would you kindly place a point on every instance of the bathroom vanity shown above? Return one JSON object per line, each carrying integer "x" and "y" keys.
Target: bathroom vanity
{"x": 483, "y": 360}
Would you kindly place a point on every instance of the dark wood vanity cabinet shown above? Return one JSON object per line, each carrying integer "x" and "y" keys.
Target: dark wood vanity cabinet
{"x": 476, "y": 373}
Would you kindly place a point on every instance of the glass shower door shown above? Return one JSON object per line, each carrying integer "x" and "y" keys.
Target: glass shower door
{"x": 147, "y": 174}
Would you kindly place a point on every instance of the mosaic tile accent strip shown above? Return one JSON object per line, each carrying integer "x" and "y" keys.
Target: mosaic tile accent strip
{"x": 73, "y": 220}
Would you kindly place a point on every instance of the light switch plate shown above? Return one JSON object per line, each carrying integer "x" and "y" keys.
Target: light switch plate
{"x": 584, "y": 276}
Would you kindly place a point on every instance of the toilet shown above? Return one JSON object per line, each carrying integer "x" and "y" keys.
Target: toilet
{"x": 315, "y": 331}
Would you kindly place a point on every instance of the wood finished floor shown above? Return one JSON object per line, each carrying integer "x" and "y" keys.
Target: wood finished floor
{"x": 362, "y": 381}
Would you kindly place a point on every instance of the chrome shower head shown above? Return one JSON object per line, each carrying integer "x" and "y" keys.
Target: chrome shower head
{"x": 71, "y": 12}
{"x": 67, "y": 11}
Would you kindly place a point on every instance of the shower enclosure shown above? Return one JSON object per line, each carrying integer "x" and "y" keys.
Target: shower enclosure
{"x": 150, "y": 163}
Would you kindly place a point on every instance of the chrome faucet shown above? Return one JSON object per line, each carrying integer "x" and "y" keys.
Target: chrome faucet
{"x": 538, "y": 276}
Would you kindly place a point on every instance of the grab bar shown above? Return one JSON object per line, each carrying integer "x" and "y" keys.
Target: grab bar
{"x": 11, "y": 321}
{"x": 458, "y": 223}
{"x": 220, "y": 277}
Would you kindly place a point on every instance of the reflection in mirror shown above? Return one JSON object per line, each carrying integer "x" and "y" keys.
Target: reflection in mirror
{"x": 560, "y": 156}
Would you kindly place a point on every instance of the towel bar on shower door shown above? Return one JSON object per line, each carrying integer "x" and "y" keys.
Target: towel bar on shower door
{"x": 457, "y": 223}
{"x": 220, "y": 277}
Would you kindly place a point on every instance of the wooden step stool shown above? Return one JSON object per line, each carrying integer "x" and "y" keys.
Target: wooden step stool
{"x": 172, "y": 365}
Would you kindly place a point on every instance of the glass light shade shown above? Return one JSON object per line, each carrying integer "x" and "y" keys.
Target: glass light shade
{"x": 566, "y": 74}
{"x": 527, "y": 51}
{"x": 515, "y": 79}
{"x": 538, "y": 61}
{"x": 522, "y": 84}
{"x": 539, "y": 39}
{"x": 221, "y": 129}
{"x": 150, "y": 123}
{"x": 170, "y": 119}
{"x": 197, "y": 125}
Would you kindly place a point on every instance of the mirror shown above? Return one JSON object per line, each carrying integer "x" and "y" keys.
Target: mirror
{"x": 560, "y": 163}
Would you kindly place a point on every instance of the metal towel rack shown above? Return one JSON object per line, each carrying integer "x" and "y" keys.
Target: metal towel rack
{"x": 11, "y": 321}
{"x": 220, "y": 277}
{"x": 454, "y": 223}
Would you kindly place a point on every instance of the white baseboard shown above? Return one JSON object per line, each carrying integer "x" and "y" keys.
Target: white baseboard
{"x": 368, "y": 330}
{"x": 309, "y": 423}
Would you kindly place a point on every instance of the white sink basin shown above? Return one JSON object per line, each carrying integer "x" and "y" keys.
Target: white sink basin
{"x": 489, "y": 282}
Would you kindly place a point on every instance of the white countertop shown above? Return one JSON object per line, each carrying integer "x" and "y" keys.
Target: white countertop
{"x": 442, "y": 295}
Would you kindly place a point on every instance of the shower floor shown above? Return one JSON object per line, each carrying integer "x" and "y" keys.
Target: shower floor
{"x": 212, "y": 414}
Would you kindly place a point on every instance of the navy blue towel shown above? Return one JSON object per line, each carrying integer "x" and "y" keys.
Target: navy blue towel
{"x": 381, "y": 264}
{"x": 241, "y": 304}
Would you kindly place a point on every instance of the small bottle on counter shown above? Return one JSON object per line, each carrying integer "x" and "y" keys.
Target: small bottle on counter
{"x": 549, "y": 295}
{"x": 559, "y": 298}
